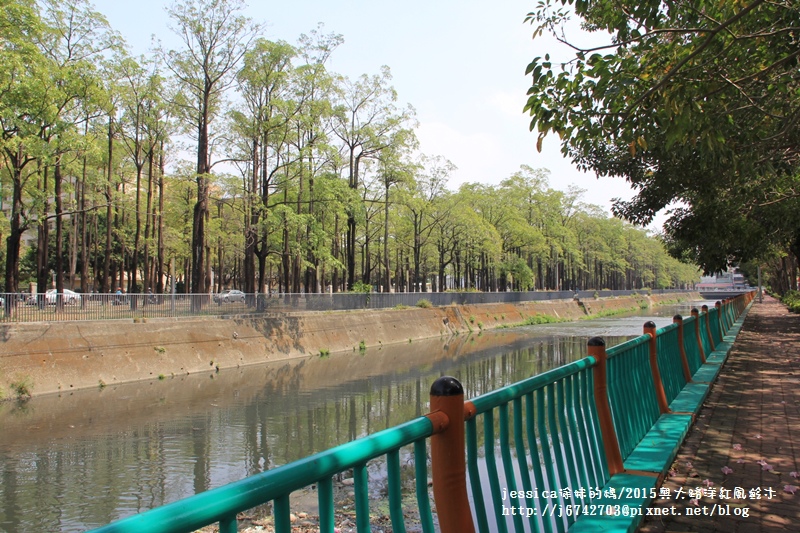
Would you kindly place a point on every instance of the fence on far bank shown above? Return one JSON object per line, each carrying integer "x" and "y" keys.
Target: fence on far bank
{"x": 44, "y": 307}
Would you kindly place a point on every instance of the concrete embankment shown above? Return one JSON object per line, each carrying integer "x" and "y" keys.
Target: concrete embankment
{"x": 53, "y": 357}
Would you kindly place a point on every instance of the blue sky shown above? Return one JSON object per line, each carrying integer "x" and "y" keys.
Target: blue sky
{"x": 461, "y": 64}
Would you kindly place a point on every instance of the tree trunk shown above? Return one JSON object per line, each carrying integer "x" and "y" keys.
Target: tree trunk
{"x": 14, "y": 239}
{"x": 160, "y": 270}
{"x": 43, "y": 238}
{"x": 57, "y": 179}
{"x": 387, "y": 282}
{"x": 200, "y": 214}
{"x": 104, "y": 284}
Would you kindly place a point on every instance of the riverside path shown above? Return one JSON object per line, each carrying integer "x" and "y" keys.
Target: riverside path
{"x": 747, "y": 435}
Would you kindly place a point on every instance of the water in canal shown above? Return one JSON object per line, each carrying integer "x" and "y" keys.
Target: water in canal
{"x": 78, "y": 461}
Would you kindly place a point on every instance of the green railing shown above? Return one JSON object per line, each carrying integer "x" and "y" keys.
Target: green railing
{"x": 550, "y": 423}
{"x": 224, "y": 503}
{"x": 669, "y": 361}
{"x": 690, "y": 343}
{"x": 630, "y": 391}
{"x": 567, "y": 428}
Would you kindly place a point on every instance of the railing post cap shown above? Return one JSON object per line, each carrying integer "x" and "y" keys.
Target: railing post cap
{"x": 695, "y": 311}
{"x": 704, "y": 308}
{"x": 677, "y": 318}
{"x": 447, "y": 386}
{"x": 596, "y": 341}
{"x": 718, "y": 304}
{"x": 650, "y": 324}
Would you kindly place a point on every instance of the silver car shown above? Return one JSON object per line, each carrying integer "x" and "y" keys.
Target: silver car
{"x": 69, "y": 297}
{"x": 229, "y": 296}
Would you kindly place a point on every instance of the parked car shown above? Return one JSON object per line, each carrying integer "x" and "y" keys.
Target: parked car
{"x": 229, "y": 296}
{"x": 70, "y": 297}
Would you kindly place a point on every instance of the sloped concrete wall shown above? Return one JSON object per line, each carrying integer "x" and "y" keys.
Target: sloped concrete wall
{"x": 62, "y": 356}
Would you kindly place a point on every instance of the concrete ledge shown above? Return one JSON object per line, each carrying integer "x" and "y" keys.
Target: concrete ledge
{"x": 54, "y": 357}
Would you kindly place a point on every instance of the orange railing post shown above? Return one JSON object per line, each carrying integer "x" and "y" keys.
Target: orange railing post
{"x": 597, "y": 349}
{"x": 658, "y": 385}
{"x": 696, "y": 315}
{"x": 448, "y": 459}
{"x": 687, "y": 373}
{"x": 708, "y": 329}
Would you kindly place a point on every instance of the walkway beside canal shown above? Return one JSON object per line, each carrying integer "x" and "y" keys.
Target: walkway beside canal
{"x": 744, "y": 437}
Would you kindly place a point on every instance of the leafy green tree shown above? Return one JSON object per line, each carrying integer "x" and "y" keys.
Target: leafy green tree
{"x": 215, "y": 38}
{"x": 327, "y": 189}
{"x": 22, "y": 108}
{"x": 394, "y": 169}
{"x": 689, "y": 103}
{"x": 262, "y": 127}
{"x": 366, "y": 119}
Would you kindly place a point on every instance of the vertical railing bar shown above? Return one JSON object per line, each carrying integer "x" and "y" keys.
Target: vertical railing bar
{"x": 579, "y": 428}
{"x": 566, "y": 437}
{"x": 700, "y": 346}
{"x": 711, "y": 344}
{"x": 642, "y": 383}
{"x": 281, "y": 511}
{"x": 615, "y": 367}
{"x": 727, "y": 315}
{"x": 474, "y": 475}
{"x": 645, "y": 383}
{"x": 421, "y": 474}
{"x": 595, "y": 435}
{"x": 558, "y": 448}
{"x": 663, "y": 362}
{"x": 522, "y": 461}
{"x": 536, "y": 461}
{"x": 229, "y": 524}
{"x": 361, "y": 486}
{"x": 325, "y": 500}
{"x": 491, "y": 470}
{"x": 584, "y": 421}
{"x": 508, "y": 464}
{"x": 395, "y": 491}
{"x": 690, "y": 345}
{"x": 678, "y": 378}
{"x": 547, "y": 447}
{"x": 631, "y": 420}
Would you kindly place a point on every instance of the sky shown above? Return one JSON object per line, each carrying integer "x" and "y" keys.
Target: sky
{"x": 460, "y": 64}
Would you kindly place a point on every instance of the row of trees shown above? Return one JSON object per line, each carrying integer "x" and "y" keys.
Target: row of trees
{"x": 302, "y": 180}
{"x": 695, "y": 105}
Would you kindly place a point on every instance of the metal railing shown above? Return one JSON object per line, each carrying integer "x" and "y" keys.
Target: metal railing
{"x": 544, "y": 432}
{"x": 43, "y": 307}
{"x": 564, "y": 429}
{"x": 222, "y": 504}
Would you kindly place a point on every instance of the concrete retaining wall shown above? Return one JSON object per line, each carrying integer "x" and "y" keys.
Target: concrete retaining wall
{"x": 54, "y": 357}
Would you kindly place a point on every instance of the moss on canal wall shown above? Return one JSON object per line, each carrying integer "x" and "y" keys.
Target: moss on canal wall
{"x": 58, "y": 357}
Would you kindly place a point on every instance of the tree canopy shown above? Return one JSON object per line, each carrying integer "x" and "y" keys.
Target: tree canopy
{"x": 299, "y": 179}
{"x": 694, "y": 103}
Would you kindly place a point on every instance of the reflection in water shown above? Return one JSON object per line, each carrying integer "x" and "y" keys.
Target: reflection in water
{"x": 83, "y": 460}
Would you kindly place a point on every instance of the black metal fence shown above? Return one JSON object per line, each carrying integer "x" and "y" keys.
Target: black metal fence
{"x": 50, "y": 306}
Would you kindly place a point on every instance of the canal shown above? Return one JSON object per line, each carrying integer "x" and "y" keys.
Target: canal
{"x": 78, "y": 461}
